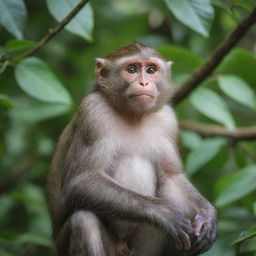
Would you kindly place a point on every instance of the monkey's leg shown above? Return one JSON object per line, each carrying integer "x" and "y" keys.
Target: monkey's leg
{"x": 148, "y": 241}
{"x": 84, "y": 235}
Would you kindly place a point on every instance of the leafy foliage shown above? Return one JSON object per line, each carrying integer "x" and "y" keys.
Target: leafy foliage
{"x": 213, "y": 106}
{"x": 36, "y": 103}
{"x": 238, "y": 90}
{"x": 13, "y": 16}
{"x": 83, "y": 22}
{"x": 34, "y": 77}
{"x": 196, "y": 14}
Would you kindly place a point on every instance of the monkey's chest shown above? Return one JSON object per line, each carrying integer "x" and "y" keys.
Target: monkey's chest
{"x": 136, "y": 173}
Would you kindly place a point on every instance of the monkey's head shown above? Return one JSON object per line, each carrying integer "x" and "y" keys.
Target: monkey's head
{"x": 135, "y": 78}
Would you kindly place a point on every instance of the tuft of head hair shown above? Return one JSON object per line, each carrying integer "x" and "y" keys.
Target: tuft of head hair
{"x": 135, "y": 48}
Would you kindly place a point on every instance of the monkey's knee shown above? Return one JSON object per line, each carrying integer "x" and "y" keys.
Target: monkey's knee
{"x": 85, "y": 236}
{"x": 88, "y": 236}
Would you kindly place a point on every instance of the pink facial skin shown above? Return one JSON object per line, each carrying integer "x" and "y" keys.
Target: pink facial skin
{"x": 142, "y": 74}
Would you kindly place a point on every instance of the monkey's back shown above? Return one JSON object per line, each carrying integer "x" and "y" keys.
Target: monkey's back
{"x": 54, "y": 179}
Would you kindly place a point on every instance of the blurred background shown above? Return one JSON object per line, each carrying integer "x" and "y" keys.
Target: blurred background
{"x": 39, "y": 94}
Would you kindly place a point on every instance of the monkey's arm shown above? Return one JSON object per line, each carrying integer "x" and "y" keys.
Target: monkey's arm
{"x": 97, "y": 192}
{"x": 85, "y": 185}
{"x": 176, "y": 187}
{"x": 205, "y": 219}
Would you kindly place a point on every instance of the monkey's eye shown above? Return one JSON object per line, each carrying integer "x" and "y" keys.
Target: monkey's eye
{"x": 151, "y": 69}
{"x": 132, "y": 69}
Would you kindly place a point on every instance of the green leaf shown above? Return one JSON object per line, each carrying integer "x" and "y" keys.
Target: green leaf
{"x": 244, "y": 3}
{"x": 196, "y": 14}
{"x": 184, "y": 61}
{"x": 212, "y": 105}
{"x": 5, "y": 253}
{"x": 31, "y": 238}
{"x": 221, "y": 4}
{"x": 14, "y": 45}
{"x": 237, "y": 89}
{"x": 82, "y": 24}
{"x": 245, "y": 235}
{"x": 3, "y": 66}
{"x": 36, "y": 79}
{"x": 38, "y": 111}
{"x": 190, "y": 139}
{"x": 15, "y": 50}
{"x": 34, "y": 239}
{"x": 5, "y": 101}
{"x": 236, "y": 185}
{"x": 202, "y": 154}
{"x": 241, "y": 63}
{"x": 13, "y": 16}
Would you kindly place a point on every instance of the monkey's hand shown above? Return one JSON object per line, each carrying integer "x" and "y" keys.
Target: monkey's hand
{"x": 204, "y": 225}
{"x": 178, "y": 226}
{"x": 122, "y": 249}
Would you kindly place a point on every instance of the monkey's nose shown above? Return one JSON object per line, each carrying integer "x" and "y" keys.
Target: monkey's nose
{"x": 144, "y": 83}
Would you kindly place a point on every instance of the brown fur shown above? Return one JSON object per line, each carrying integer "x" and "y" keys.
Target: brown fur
{"x": 116, "y": 185}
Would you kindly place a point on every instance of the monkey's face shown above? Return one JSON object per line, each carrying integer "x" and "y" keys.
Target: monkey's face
{"x": 142, "y": 75}
{"x": 140, "y": 82}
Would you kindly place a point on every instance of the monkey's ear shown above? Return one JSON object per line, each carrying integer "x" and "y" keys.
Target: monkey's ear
{"x": 101, "y": 71}
{"x": 169, "y": 63}
{"x": 100, "y": 62}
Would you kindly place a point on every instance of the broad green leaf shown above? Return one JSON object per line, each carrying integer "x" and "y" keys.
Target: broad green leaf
{"x": 221, "y": 4}
{"x": 220, "y": 247}
{"x": 3, "y": 66}
{"x": 36, "y": 79}
{"x": 13, "y": 16}
{"x": 190, "y": 139}
{"x": 246, "y": 235}
{"x": 5, "y": 101}
{"x": 241, "y": 63}
{"x": 237, "y": 89}
{"x": 82, "y": 24}
{"x": 247, "y": 4}
{"x": 34, "y": 239}
{"x": 15, "y": 50}
{"x": 45, "y": 146}
{"x": 196, "y": 14}
{"x": 33, "y": 197}
{"x": 210, "y": 104}
{"x": 236, "y": 185}
{"x": 31, "y": 238}
{"x": 5, "y": 253}
{"x": 14, "y": 45}
{"x": 184, "y": 61}
{"x": 38, "y": 111}
{"x": 202, "y": 154}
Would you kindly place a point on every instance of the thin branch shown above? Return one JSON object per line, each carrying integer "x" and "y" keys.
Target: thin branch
{"x": 54, "y": 31}
{"x": 215, "y": 59}
{"x": 21, "y": 168}
{"x": 237, "y": 134}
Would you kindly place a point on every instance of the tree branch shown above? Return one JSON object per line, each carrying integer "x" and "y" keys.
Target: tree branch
{"x": 54, "y": 31}
{"x": 213, "y": 61}
{"x": 238, "y": 134}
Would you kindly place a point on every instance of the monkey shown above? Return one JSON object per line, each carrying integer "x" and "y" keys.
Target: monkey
{"x": 116, "y": 185}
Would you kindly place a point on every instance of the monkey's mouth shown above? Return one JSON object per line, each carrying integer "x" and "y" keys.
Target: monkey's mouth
{"x": 142, "y": 95}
